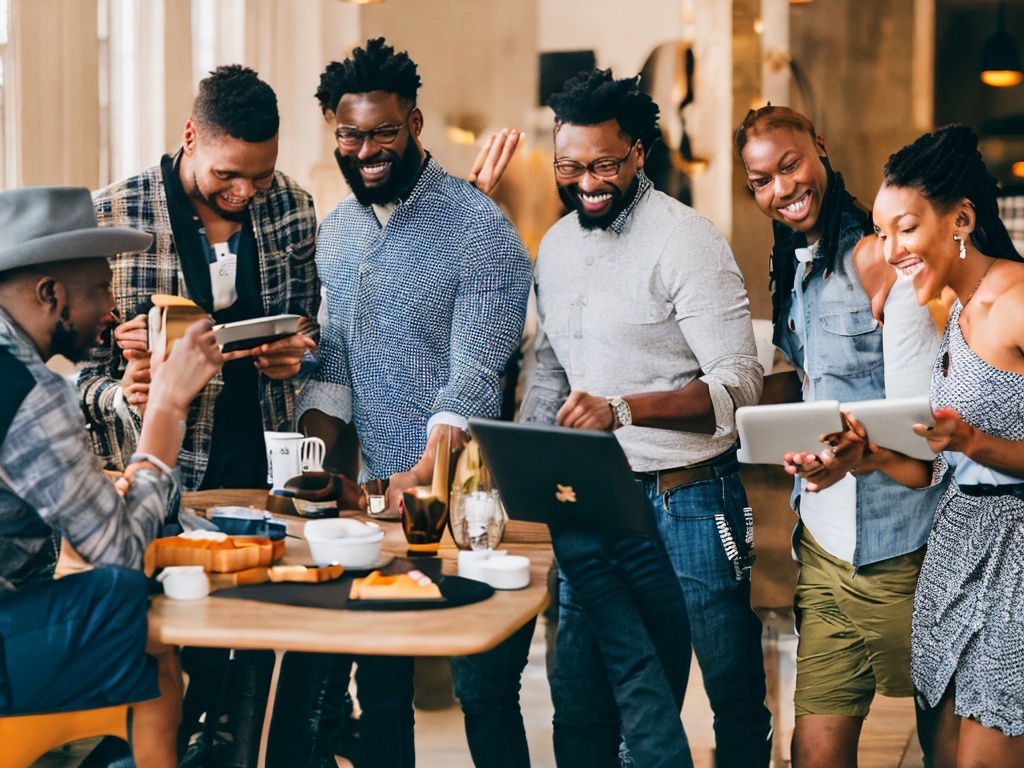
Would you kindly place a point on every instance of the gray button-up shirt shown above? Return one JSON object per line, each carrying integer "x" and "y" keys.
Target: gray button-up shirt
{"x": 646, "y": 305}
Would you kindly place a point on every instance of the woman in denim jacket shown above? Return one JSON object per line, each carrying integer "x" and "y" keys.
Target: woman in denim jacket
{"x": 860, "y": 542}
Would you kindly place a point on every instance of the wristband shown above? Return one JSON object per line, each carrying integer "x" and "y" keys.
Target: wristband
{"x": 138, "y": 458}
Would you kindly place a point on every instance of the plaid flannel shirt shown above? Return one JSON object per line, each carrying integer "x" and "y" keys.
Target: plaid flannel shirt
{"x": 284, "y": 223}
{"x": 50, "y": 482}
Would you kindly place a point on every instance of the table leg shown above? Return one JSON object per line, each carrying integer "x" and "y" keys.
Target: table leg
{"x": 271, "y": 696}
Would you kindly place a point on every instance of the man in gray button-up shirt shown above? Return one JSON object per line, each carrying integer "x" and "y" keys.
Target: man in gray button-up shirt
{"x": 645, "y": 331}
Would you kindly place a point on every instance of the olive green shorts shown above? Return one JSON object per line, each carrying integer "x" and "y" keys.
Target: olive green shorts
{"x": 854, "y": 630}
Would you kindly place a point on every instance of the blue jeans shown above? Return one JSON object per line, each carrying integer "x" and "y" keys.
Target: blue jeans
{"x": 621, "y": 653}
{"x": 725, "y": 632}
{"x": 76, "y": 643}
{"x": 487, "y": 687}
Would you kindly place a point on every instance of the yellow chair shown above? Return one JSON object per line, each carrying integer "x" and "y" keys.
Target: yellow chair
{"x": 26, "y": 738}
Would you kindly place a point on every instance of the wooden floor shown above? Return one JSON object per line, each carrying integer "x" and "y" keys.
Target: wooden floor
{"x": 888, "y": 739}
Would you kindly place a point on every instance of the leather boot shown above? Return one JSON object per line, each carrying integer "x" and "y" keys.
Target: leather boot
{"x": 244, "y": 707}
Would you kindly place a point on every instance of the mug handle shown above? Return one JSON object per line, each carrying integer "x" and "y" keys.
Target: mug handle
{"x": 312, "y": 454}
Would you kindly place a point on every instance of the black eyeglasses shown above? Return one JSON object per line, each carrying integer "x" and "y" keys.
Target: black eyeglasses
{"x": 350, "y": 138}
{"x": 602, "y": 168}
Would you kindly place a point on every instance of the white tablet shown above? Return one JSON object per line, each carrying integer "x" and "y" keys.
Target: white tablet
{"x": 889, "y": 423}
{"x": 768, "y": 432}
{"x": 246, "y": 334}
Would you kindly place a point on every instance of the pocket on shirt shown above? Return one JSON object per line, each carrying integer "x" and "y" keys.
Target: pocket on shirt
{"x": 851, "y": 339}
{"x": 627, "y": 322}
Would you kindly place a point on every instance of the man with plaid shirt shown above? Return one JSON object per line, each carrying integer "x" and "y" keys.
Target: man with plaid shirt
{"x": 238, "y": 238}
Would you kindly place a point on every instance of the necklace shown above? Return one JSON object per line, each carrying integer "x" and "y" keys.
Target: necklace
{"x": 977, "y": 285}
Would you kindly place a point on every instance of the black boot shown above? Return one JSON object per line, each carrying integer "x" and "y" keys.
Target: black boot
{"x": 244, "y": 708}
{"x": 111, "y": 752}
{"x": 207, "y": 671}
{"x": 312, "y": 705}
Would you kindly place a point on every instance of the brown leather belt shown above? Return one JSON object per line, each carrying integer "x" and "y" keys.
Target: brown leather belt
{"x": 669, "y": 479}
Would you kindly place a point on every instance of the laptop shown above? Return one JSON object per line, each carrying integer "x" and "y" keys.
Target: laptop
{"x": 559, "y": 476}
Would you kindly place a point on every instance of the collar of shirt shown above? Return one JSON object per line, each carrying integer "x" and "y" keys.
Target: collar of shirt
{"x": 21, "y": 341}
{"x": 643, "y": 184}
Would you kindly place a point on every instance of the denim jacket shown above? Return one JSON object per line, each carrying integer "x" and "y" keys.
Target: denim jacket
{"x": 844, "y": 362}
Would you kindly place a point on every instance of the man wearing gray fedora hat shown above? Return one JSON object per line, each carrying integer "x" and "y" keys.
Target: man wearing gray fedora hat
{"x": 80, "y": 642}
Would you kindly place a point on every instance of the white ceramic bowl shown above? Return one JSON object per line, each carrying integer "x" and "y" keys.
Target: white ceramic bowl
{"x": 349, "y": 543}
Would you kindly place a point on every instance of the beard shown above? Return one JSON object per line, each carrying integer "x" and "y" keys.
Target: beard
{"x": 239, "y": 217}
{"x": 569, "y": 195}
{"x": 405, "y": 169}
{"x": 65, "y": 340}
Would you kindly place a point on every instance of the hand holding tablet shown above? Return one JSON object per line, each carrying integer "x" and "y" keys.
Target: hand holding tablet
{"x": 890, "y": 423}
{"x": 768, "y": 432}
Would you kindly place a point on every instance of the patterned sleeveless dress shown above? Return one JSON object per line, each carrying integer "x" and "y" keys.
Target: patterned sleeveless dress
{"x": 968, "y": 623}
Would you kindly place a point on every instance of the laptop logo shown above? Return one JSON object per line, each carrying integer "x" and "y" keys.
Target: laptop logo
{"x": 565, "y": 493}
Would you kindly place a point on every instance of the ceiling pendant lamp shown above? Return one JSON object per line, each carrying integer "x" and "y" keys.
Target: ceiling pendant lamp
{"x": 1000, "y": 56}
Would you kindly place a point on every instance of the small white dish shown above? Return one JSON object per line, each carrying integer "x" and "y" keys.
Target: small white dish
{"x": 511, "y": 572}
{"x": 471, "y": 563}
{"x": 184, "y": 582}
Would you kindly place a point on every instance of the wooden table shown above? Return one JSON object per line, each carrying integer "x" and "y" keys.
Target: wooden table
{"x": 246, "y": 624}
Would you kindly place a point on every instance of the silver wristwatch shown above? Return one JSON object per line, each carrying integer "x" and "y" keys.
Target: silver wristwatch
{"x": 621, "y": 410}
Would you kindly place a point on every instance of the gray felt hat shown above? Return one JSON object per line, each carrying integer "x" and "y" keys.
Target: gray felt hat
{"x": 39, "y": 225}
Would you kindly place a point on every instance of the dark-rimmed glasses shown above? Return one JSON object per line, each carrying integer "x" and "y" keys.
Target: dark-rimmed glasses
{"x": 351, "y": 138}
{"x": 602, "y": 168}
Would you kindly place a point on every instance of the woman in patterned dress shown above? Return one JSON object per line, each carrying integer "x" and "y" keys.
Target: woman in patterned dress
{"x": 937, "y": 216}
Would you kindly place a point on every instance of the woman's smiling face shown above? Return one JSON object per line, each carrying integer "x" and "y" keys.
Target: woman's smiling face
{"x": 917, "y": 238}
{"x": 787, "y": 177}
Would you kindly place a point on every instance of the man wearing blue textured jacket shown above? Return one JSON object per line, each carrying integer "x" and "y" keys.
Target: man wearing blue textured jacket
{"x": 426, "y": 288}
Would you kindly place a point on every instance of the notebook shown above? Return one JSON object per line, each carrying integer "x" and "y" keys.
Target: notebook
{"x": 559, "y": 476}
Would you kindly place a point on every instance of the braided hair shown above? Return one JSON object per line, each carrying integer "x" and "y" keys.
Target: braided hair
{"x": 233, "y": 100}
{"x": 374, "y": 68}
{"x": 593, "y": 97}
{"x": 945, "y": 167}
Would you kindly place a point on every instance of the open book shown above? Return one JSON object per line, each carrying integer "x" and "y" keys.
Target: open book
{"x": 171, "y": 315}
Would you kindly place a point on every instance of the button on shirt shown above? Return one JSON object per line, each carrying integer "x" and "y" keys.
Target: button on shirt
{"x": 423, "y": 314}
{"x": 646, "y": 305}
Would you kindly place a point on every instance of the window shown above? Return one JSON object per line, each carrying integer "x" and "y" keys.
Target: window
{"x": 8, "y": 124}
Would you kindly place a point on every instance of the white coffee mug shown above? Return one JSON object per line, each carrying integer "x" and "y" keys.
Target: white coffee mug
{"x": 284, "y": 455}
{"x": 184, "y": 582}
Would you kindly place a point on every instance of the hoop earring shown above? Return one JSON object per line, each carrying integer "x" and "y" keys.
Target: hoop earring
{"x": 963, "y": 246}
